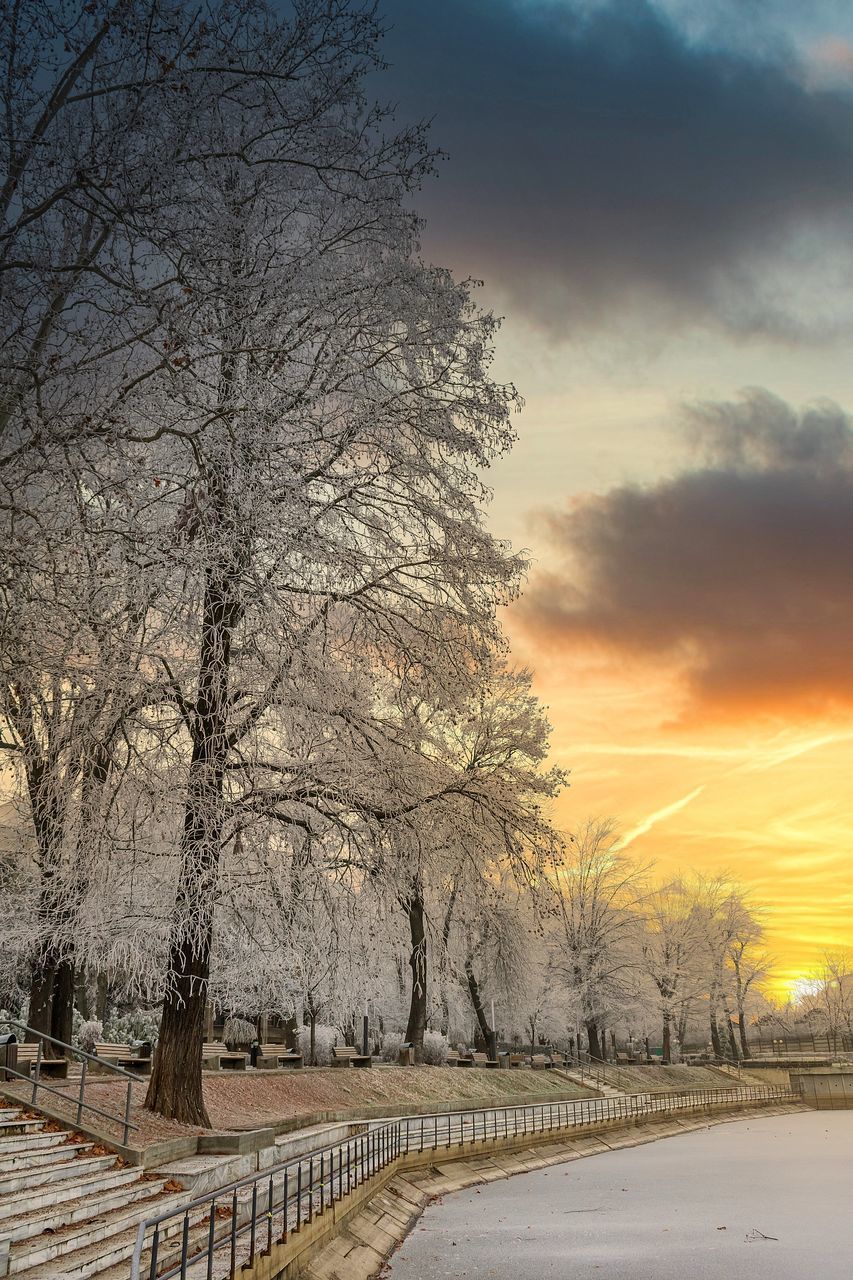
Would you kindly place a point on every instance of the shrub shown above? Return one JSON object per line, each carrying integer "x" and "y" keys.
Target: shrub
{"x": 391, "y": 1042}
{"x": 88, "y": 1034}
{"x": 137, "y": 1024}
{"x": 436, "y": 1049}
{"x": 324, "y": 1039}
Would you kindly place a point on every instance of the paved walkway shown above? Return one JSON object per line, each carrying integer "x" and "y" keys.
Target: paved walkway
{"x": 690, "y": 1208}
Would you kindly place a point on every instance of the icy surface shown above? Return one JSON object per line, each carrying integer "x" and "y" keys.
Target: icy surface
{"x": 689, "y": 1206}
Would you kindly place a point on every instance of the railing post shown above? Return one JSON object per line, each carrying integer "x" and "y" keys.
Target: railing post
{"x": 82, "y": 1088}
{"x": 37, "y": 1072}
{"x": 127, "y": 1114}
{"x": 253, "y": 1223}
{"x": 211, "y": 1236}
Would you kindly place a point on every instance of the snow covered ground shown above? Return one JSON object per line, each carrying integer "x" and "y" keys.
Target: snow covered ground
{"x": 768, "y": 1198}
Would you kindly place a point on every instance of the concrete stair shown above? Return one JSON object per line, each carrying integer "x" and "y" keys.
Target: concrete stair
{"x": 584, "y": 1079}
{"x": 68, "y": 1208}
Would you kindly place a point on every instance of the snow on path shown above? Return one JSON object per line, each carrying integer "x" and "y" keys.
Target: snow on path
{"x": 693, "y": 1207}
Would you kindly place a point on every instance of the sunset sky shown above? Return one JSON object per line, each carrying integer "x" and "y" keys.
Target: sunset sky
{"x": 659, "y": 198}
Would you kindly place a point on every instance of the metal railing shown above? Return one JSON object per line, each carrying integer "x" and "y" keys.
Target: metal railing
{"x": 230, "y": 1228}
{"x": 77, "y": 1104}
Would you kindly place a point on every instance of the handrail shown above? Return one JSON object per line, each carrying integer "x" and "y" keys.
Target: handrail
{"x": 81, "y": 1103}
{"x": 266, "y": 1207}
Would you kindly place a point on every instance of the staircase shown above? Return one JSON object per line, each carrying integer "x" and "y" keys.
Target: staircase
{"x": 598, "y": 1083}
{"x": 69, "y": 1208}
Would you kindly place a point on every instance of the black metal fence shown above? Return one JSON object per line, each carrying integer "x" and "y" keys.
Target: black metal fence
{"x": 229, "y": 1229}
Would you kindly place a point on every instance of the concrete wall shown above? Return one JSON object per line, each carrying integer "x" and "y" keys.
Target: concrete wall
{"x": 825, "y": 1090}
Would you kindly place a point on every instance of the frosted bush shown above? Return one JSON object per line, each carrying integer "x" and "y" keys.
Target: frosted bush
{"x": 88, "y": 1034}
{"x": 391, "y": 1042}
{"x": 324, "y": 1039}
{"x": 137, "y": 1024}
{"x": 436, "y": 1049}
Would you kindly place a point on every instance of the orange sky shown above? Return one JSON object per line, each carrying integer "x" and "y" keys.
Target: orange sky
{"x": 772, "y": 808}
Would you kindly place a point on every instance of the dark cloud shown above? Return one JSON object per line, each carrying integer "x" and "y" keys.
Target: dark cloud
{"x": 738, "y": 572}
{"x": 603, "y": 161}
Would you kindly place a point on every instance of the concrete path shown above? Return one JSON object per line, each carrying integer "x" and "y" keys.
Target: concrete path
{"x": 694, "y": 1207}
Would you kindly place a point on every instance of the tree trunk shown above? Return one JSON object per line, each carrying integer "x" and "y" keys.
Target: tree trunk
{"x": 741, "y": 1026}
{"x": 667, "y": 1040}
{"x": 41, "y": 993}
{"x": 487, "y": 1032}
{"x": 62, "y": 1004}
{"x": 102, "y": 999}
{"x": 416, "y": 1026}
{"x": 175, "y": 1087}
{"x": 593, "y": 1040}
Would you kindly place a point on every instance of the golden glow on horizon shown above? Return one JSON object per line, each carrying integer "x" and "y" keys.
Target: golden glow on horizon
{"x": 768, "y": 804}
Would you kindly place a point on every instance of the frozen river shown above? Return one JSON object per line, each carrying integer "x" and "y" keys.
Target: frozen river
{"x": 684, "y": 1208}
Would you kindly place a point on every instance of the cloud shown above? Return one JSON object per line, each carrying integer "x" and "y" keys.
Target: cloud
{"x": 604, "y": 162}
{"x": 736, "y": 572}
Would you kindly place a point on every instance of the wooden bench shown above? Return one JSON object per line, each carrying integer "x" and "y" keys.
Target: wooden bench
{"x": 274, "y": 1056}
{"x": 540, "y": 1061}
{"x": 55, "y": 1068}
{"x": 452, "y": 1060}
{"x": 464, "y": 1060}
{"x": 122, "y": 1055}
{"x": 347, "y": 1055}
{"x": 558, "y": 1059}
{"x": 483, "y": 1060}
{"x": 216, "y": 1056}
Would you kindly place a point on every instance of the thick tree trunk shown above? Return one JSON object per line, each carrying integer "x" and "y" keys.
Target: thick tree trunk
{"x": 667, "y": 1039}
{"x": 416, "y": 1025}
{"x": 175, "y": 1087}
{"x": 62, "y": 1005}
{"x": 593, "y": 1040}
{"x": 41, "y": 993}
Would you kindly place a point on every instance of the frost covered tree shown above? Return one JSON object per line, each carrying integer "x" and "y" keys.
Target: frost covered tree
{"x": 598, "y": 892}
{"x": 670, "y": 948}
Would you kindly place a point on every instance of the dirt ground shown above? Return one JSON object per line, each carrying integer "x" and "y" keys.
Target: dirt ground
{"x": 667, "y": 1079}
{"x": 255, "y": 1100}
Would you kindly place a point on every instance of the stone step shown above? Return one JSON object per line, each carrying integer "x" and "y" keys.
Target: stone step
{"x": 36, "y": 1179}
{"x": 107, "y": 1258}
{"x": 104, "y": 1223}
{"x": 32, "y": 1142}
{"x": 40, "y": 1159}
{"x": 23, "y": 1226}
{"x": 50, "y": 1197}
{"x": 19, "y": 1125}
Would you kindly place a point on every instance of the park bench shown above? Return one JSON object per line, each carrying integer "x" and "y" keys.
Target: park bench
{"x": 56, "y": 1068}
{"x": 540, "y": 1061}
{"x": 558, "y": 1059}
{"x": 347, "y": 1055}
{"x": 515, "y": 1060}
{"x": 216, "y": 1056}
{"x": 271, "y": 1057}
{"x": 483, "y": 1060}
{"x": 464, "y": 1060}
{"x": 452, "y": 1060}
{"x": 124, "y": 1056}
